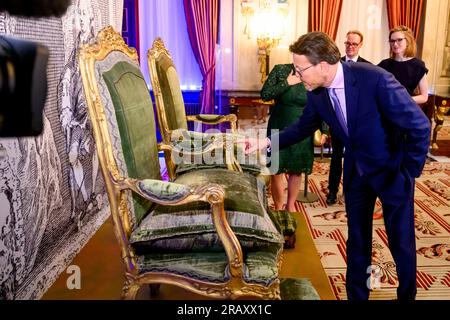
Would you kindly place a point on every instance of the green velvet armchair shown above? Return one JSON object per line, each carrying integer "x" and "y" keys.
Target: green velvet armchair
{"x": 209, "y": 231}
{"x": 173, "y": 121}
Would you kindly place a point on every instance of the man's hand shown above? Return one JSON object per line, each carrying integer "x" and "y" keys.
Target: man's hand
{"x": 323, "y": 139}
{"x": 293, "y": 79}
{"x": 251, "y": 145}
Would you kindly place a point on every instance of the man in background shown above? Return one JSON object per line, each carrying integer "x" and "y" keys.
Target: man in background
{"x": 353, "y": 42}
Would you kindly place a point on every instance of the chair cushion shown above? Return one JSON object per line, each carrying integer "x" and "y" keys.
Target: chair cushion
{"x": 191, "y": 141}
{"x": 297, "y": 289}
{"x": 183, "y": 168}
{"x": 171, "y": 93}
{"x": 287, "y": 225}
{"x": 285, "y": 220}
{"x": 260, "y": 266}
{"x": 190, "y": 227}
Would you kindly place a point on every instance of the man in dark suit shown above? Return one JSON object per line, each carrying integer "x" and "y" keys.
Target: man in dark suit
{"x": 386, "y": 140}
{"x": 353, "y": 42}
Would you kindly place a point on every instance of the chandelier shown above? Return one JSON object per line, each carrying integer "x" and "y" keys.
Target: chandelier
{"x": 265, "y": 21}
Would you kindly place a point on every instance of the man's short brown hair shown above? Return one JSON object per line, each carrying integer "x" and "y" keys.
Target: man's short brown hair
{"x": 317, "y": 47}
{"x": 357, "y": 32}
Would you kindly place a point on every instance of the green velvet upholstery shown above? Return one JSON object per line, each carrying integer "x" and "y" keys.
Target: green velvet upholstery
{"x": 261, "y": 266}
{"x": 165, "y": 191}
{"x": 173, "y": 98}
{"x": 185, "y": 143}
{"x": 189, "y": 227}
{"x": 121, "y": 113}
{"x": 286, "y": 221}
{"x": 287, "y": 225}
{"x": 196, "y": 242}
{"x": 297, "y": 289}
{"x": 191, "y": 140}
{"x": 134, "y": 114}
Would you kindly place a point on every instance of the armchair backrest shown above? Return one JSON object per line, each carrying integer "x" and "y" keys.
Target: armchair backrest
{"x": 121, "y": 112}
{"x": 166, "y": 88}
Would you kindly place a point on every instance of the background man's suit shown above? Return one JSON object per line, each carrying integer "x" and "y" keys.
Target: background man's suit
{"x": 386, "y": 149}
{"x": 334, "y": 177}
{"x": 358, "y": 60}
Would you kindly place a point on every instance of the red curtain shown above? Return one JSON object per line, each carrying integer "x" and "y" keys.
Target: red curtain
{"x": 202, "y": 18}
{"x": 405, "y": 12}
{"x": 324, "y": 16}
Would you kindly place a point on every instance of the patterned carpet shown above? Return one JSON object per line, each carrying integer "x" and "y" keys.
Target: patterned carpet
{"x": 432, "y": 216}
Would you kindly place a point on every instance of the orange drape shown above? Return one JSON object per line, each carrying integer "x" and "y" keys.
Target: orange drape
{"x": 324, "y": 16}
{"x": 405, "y": 12}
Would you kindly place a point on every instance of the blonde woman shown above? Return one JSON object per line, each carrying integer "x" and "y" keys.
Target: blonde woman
{"x": 403, "y": 64}
{"x": 406, "y": 68}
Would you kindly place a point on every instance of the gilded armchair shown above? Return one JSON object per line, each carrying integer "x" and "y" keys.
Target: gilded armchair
{"x": 209, "y": 232}
{"x": 439, "y": 113}
{"x": 173, "y": 120}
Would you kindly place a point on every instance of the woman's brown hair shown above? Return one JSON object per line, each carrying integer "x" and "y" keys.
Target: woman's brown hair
{"x": 411, "y": 46}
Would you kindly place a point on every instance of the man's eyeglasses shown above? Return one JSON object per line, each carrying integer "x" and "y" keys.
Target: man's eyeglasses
{"x": 351, "y": 44}
{"x": 397, "y": 41}
{"x": 301, "y": 71}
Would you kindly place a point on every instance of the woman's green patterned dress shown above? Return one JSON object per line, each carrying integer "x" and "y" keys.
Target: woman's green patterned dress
{"x": 289, "y": 104}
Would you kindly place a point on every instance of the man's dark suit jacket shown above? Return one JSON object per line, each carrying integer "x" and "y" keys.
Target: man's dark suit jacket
{"x": 388, "y": 133}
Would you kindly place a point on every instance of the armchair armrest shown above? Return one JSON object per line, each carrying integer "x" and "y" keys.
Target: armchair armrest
{"x": 192, "y": 143}
{"x": 214, "y": 119}
{"x": 169, "y": 193}
{"x": 161, "y": 191}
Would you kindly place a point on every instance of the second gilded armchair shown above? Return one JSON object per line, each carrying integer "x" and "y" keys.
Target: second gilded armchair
{"x": 173, "y": 120}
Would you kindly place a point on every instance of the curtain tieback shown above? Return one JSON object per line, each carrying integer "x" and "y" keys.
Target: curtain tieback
{"x": 209, "y": 70}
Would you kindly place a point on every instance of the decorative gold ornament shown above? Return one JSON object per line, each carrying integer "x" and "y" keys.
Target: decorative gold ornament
{"x": 265, "y": 20}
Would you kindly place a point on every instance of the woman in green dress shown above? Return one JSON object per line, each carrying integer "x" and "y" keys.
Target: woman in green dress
{"x": 285, "y": 87}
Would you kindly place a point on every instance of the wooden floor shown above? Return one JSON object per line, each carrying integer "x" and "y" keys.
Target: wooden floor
{"x": 102, "y": 274}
